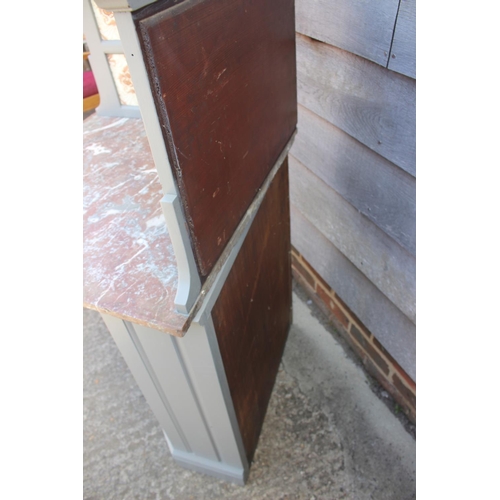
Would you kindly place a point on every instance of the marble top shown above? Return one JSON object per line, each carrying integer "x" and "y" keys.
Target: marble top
{"x": 129, "y": 268}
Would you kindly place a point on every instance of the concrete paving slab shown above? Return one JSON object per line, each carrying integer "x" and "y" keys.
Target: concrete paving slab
{"x": 326, "y": 434}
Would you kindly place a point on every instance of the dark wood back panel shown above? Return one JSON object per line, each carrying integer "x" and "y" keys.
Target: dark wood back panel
{"x": 224, "y": 81}
{"x": 253, "y": 312}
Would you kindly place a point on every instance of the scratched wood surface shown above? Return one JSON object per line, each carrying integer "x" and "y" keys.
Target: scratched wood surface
{"x": 370, "y": 103}
{"x": 380, "y": 190}
{"x": 253, "y": 312}
{"x": 223, "y": 78}
{"x": 389, "y": 325}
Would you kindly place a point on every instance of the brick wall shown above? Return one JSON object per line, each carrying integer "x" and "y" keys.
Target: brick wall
{"x": 378, "y": 362}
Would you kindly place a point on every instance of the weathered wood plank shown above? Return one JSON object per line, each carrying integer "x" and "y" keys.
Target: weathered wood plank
{"x": 223, "y": 78}
{"x": 253, "y": 311}
{"x": 404, "y": 46}
{"x": 377, "y": 188}
{"x": 388, "y": 265}
{"x": 391, "y": 327}
{"x": 359, "y": 26}
{"x": 370, "y": 103}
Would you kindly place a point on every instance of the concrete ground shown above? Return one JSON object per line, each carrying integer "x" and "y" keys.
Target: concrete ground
{"x": 326, "y": 434}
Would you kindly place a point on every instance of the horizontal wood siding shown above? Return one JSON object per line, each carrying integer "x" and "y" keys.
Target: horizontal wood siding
{"x": 389, "y": 325}
{"x": 353, "y": 164}
{"x": 359, "y": 26}
{"x": 403, "y": 52}
{"x": 370, "y": 103}
{"x": 383, "y": 261}
{"x": 377, "y": 188}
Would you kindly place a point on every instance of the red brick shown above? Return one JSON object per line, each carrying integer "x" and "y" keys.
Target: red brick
{"x": 334, "y": 309}
{"x": 377, "y": 374}
{"x": 388, "y": 385}
{"x": 368, "y": 355}
{"x": 302, "y": 282}
{"x": 327, "y": 287}
{"x": 406, "y": 393}
{"x": 359, "y": 332}
{"x": 374, "y": 355}
{"x": 325, "y": 297}
{"x": 363, "y": 329}
{"x": 346, "y": 308}
{"x": 344, "y": 320}
{"x": 303, "y": 271}
{"x": 295, "y": 252}
{"x": 411, "y": 384}
{"x": 382, "y": 349}
{"x": 358, "y": 350}
{"x": 324, "y": 283}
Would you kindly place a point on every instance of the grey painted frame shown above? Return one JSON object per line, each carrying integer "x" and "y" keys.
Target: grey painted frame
{"x": 183, "y": 379}
{"x": 184, "y": 382}
{"x": 123, "y": 5}
{"x": 189, "y": 283}
{"x": 110, "y": 104}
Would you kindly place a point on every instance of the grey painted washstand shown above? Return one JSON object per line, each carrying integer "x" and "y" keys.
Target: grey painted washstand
{"x": 195, "y": 412}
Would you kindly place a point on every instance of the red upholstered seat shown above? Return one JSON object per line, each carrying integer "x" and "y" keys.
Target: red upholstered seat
{"x": 89, "y": 84}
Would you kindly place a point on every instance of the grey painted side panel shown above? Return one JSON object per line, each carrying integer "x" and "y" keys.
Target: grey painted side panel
{"x": 216, "y": 402}
{"x": 404, "y": 46}
{"x": 162, "y": 354}
{"x": 385, "y": 263}
{"x": 372, "y": 104}
{"x": 376, "y": 187}
{"x": 222, "y": 471}
{"x": 362, "y": 27}
{"x": 391, "y": 327}
{"x": 184, "y": 382}
{"x": 142, "y": 374}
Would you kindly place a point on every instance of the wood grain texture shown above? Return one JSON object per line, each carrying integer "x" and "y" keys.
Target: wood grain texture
{"x": 362, "y": 27}
{"x": 372, "y": 104}
{"x": 91, "y": 102}
{"x": 403, "y": 57}
{"x": 389, "y": 325}
{"x": 382, "y": 192}
{"x": 253, "y": 312}
{"x": 224, "y": 81}
{"x": 385, "y": 263}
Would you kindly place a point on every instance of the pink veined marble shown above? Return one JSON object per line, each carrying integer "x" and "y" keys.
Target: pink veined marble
{"x": 129, "y": 268}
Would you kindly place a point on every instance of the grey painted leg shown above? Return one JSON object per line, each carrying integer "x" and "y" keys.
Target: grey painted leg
{"x": 184, "y": 382}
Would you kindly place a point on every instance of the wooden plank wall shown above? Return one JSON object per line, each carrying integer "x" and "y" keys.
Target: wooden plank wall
{"x": 352, "y": 166}
{"x": 403, "y": 50}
